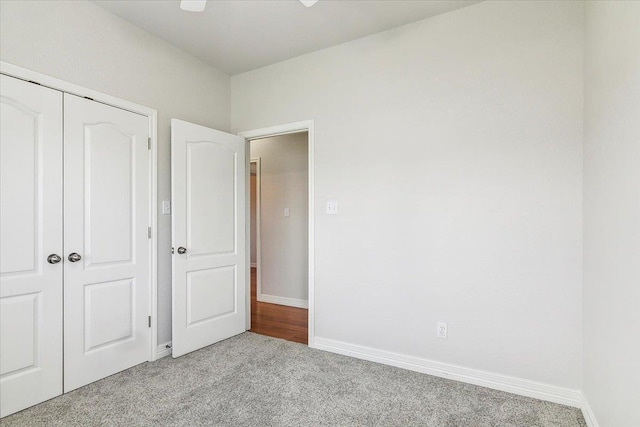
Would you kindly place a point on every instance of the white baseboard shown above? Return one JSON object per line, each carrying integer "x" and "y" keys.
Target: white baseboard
{"x": 291, "y": 302}
{"x": 254, "y": 265}
{"x": 492, "y": 380}
{"x": 587, "y": 413}
{"x": 163, "y": 350}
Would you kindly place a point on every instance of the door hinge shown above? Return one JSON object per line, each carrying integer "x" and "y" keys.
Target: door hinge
{"x": 149, "y": 143}
{"x": 149, "y": 232}
{"x": 149, "y": 321}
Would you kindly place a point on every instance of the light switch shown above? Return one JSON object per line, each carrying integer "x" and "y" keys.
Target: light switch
{"x": 332, "y": 208}
{"x": 166, "y": 207}
{"x": 286, "y": 211}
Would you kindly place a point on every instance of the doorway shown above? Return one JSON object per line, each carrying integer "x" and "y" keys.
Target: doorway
{"x": 279, "y": 219}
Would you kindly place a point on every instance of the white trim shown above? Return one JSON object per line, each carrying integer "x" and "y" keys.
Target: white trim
{"x": 492, "y": 380}
{"x": 247, "y": 234}
{"x": 275, "y": 299}
{"x": 63, "y": 86}
{"x": 268, "y": 132}
{"x": 163, "y": 350}
{"x": 587, "y": 412}
{"x": 302, "y": 126}
{"x": 258, "y": 235}
{"x": 153, "y": 220}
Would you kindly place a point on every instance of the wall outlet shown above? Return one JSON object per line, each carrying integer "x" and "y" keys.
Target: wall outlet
{"x": 332, "y": 208}
{"x": 441, "y": 330}
{"x": 287, "y": 212}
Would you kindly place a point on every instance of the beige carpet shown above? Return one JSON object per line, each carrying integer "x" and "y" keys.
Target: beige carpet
{"x": 254, "y": 380}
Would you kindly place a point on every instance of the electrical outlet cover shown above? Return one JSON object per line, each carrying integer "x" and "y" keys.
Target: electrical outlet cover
{"x": 441, "y": 330}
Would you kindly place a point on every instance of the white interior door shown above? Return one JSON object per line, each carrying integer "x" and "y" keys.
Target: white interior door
{"x": 106, "y": 215}
{"x": 31, "y": 232}
{"x": 209, "y": 260}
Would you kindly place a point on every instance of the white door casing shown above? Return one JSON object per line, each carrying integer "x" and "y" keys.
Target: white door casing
{"x": 268, "y": 132}
{"x": 208, "y": 194}
{"x": 106, "y": 219}
{"x": 31, "y": 230}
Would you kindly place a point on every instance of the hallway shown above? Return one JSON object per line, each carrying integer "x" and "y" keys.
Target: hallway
{"x": 280, "y": 321}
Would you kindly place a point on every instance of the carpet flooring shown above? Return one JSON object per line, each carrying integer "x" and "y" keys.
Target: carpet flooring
{"x": 254, "y": 380}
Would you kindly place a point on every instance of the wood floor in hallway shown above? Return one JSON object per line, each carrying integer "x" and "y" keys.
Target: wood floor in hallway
{"x": 280, "y": 321}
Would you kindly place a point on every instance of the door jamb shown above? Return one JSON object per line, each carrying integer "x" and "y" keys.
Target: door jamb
{"x": 152, "y": 115}
{"x": 256, "y": 160}
{"x": 267, "y": 132}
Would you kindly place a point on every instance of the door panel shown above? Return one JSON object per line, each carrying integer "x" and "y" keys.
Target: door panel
{"x": 210, "y": 294}
{"x": 31, "y": 230}
{"x": 106, "y": 218}
{"x": 109, "y": 187}
{"x": 208, "y": 187}
{"x": 17, "y": 352}
{"x": 103, "y": 326}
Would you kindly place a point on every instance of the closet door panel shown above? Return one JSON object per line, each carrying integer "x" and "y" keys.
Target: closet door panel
{"x": 31, "y": 231}
{"x": 106, "y": 220}
{"x": 109, "y": 163}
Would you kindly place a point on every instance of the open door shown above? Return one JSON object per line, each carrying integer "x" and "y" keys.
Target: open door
{"x": 208, "y": 194}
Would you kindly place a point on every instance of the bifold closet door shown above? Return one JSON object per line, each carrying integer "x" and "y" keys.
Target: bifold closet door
{"x": 106, "y": 215}
{"x": 31, "y": 244}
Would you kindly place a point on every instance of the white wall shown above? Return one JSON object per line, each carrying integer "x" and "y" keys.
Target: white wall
{"x": 283, "y": 240}
{"x": 612, "y": 212}
{"x": 83, "y": 44}
{"x": 454, "y": 147}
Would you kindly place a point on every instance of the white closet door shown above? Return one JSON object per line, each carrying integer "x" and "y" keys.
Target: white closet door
{"x": 209, "y": 263}
{"x": 106, "y": 215}
{"x": 31, "y": 231}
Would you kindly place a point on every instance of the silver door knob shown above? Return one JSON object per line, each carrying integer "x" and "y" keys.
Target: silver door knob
{"x": 182, "y": 250}
{"x": 54, "y": 259}
{"x": 74, "y": 257}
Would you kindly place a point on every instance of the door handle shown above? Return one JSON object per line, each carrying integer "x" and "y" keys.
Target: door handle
{"x": 74, "y": 257}
{"x": 182, "y": 250}
{"x": 54, "y": 259}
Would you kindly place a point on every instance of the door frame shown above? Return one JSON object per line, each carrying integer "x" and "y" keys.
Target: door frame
{"x": 257, "y": 161}
{"x": 267, "y": 132}
{"x": 152, "y": 115}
